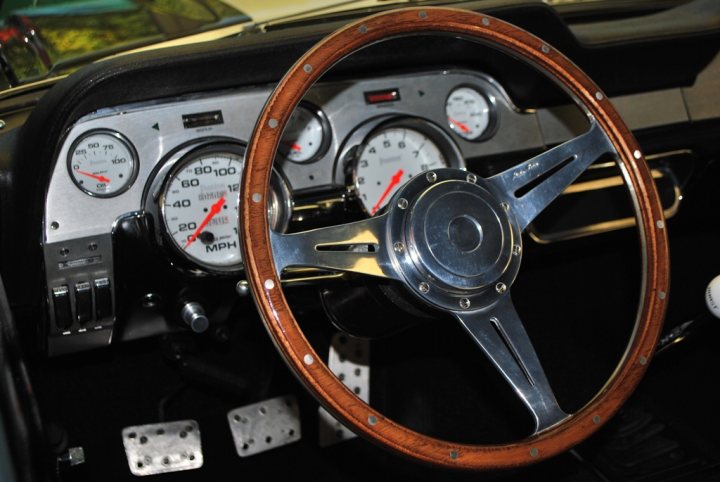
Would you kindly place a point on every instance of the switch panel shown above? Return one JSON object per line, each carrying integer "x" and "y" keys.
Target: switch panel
{"x": 81, "y": 301}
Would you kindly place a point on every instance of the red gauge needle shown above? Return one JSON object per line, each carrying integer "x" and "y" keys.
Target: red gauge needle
{"x": 393, "y": 182}
{"x": 214, "y": 209}
{"x": 296, "y": 147}
{"x": 459, "y": 125}
{"x": 94, "y": 176}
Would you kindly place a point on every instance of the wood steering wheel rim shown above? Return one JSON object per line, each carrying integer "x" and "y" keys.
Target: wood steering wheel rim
{"x": 281, "y": 324}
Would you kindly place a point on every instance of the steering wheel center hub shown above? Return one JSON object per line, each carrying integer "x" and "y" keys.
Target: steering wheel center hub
{"x": 460, "y": 239}
{"x": 465, "y": 233}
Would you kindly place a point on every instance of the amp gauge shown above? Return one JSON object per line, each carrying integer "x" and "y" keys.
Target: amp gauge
{"x": 469, "y": 113}
{"x": 102, "y": 163}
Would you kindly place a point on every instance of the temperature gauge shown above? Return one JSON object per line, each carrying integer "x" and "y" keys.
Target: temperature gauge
{"x": 469, "y": 113}
{"x": 102, "y": 163}
{"x": 306, "y": 136}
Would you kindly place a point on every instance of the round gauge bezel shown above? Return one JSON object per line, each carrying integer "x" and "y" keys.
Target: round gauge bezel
{"x": 326, "y": 133}
{"x": 492, "y": 114}
{"x": 436, "y": 134}
{"x": 205, "y": 148}
{"x": 124, "y": 140}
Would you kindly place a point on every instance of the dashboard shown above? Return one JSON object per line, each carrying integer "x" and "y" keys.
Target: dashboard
{"x": 133, "y": 166}
{"x": 175, "y": 164}
{"x": 167, "y": 171}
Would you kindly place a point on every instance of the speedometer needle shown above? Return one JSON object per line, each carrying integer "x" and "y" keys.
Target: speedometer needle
{"x": 393, "y": 182}
{"x": 214, "y": 209}
{"x": 94, "y": 176}
{"x": 459, "y": 125}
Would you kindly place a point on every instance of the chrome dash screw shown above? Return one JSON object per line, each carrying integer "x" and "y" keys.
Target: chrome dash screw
{"x": 424, "y": 287}
{"x": 431, "y": 177}
{"x": 471, "y": 178}
{"x": 501, "y": 288}
{"x": 464, "y": 303}
{"x": 402, "y": 203}
{"x": 399, "y": 247}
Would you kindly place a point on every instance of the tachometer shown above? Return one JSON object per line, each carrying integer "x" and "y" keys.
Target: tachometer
{"x": 388, "y": 158}
{"x": 199, "y": 205}
{"x": 102, "y": 163}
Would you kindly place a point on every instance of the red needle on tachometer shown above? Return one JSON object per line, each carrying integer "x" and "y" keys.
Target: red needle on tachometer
{"x": 214, "y": 209}
{"x": 296, "y": 147}
{"x": 94, "y": 176}
{"x": 393, "y": 182}
{"x": 459, "y": 125}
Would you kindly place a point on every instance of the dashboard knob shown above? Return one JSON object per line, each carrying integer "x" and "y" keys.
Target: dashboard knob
{"x": 712, "y": 296}
{"x": 193, "y": 314}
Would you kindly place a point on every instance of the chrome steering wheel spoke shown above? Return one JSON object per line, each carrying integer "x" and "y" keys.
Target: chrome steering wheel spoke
{"x": 357, "y": 247}
{"x": 502, "y": 337}
{"x": 553, "y": 171}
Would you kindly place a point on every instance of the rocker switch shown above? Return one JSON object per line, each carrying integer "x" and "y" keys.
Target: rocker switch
{"x": 61, "y": 303}
{"x": 83, "y": 302}
{"x": 103, "y": 298}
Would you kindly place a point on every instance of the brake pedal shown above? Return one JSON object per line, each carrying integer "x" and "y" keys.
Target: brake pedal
{"x": 265, "y": 425}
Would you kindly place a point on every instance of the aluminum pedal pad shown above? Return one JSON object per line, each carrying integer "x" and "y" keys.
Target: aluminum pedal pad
{"x": 159, "y": 448}
{"x": 349, "y": 359}
{"x": 265, "y": 425}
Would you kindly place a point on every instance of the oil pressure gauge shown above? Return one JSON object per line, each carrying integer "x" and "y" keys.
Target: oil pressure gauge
{"x": 102, "y": 163}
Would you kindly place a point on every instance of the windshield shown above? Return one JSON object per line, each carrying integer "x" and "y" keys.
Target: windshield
{"x": 43, "y": 38}
{"x": 37, "y": 37}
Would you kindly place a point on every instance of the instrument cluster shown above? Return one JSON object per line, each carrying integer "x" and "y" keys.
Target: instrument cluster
{"x": 180, "y": 160}
{"x": 158, "y": 183}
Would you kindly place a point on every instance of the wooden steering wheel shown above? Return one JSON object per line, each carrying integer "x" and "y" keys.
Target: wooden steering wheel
{"x": 453, "y": 239}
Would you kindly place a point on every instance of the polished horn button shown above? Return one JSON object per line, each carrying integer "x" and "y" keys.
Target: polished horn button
{"x": 465, "y": 233}
{"x": 460, "y": 235}
{"x": 451, "y": 239}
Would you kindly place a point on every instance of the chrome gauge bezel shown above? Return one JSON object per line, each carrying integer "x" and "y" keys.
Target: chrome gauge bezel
{"x": 492, "y": 113}
{"x": 134, "y": 160}
{"x": 359, "y": 138}
{"x": 157, "y": 189}
{"x": 317, "y": 113}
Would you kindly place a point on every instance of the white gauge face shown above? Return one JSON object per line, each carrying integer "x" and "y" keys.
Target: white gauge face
{"x": 102, "y": 163}
{"x": 388, "y": 159}
{"x": 303, "y": 137}
{"x": 468, "y": 113}
{"x": 200, "y": 208}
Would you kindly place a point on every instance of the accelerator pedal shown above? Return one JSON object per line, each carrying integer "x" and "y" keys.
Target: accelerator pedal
{"x": 349, "y": 360}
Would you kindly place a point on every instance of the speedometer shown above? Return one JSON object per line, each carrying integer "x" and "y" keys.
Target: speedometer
{"x": 199, "y": 206}
{"x": 388, "y": 158}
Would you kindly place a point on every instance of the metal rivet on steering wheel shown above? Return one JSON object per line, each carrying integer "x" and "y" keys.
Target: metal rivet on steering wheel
{"x": 453, "y": 240}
